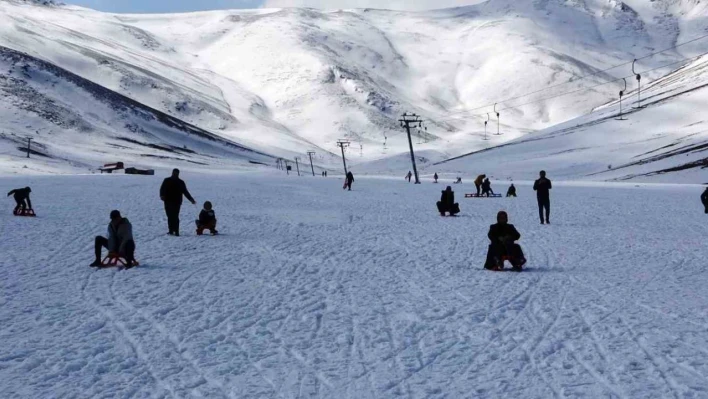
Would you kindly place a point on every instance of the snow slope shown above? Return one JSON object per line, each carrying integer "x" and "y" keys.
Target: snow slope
{"x": 284, "y": 81}
{"x": 316, "y": 292}
{"x": 664, "y": 140}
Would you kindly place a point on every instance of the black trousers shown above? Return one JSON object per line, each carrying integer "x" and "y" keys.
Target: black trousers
{"x": 454, "y": 210}
{"x": 348, "y": 185}
{"x": 497, "y": 250}
{"x": 102, "y": 242}
{"x": 706, "y": 205}
{"x": 479, "y": 188}
{"x": 172, "y": 212}
{"x": 544, "y": 204}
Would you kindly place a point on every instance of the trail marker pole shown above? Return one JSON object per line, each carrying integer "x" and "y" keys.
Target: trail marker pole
{"x": 29, "y": 140}
{"x": 297, "y": 165}
{"x": 343, "y": 144}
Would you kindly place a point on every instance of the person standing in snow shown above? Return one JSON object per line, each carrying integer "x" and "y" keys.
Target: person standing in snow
{"x": 22, "y": 199}
{"x": 487, "y": 188}
{"x": 447, "y": 203}
{"x": 409, "y": 176}
{"x": 704, "y": 199}
{"x": 511, "y": 192}
{"x": 171, "y": 192}
{"x": 119, "y": 242}
{"x": 435, "y": 178}
{"x": 503, "y": 236}
{"x": 349, "y": 180}
{"x": 478, "y": 183}
{"x": 543, "y": 186}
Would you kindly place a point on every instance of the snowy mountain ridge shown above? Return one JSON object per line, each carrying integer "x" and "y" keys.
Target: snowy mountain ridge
{"x": 285, "y": 81}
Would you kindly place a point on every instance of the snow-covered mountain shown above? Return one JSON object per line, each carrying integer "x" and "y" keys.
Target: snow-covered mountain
{"x": 285, "y": 81}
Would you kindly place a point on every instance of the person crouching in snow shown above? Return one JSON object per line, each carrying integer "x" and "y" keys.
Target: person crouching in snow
{"x": 207, "y": 220}
{"x": 119, "y": 242}
{"x": 22, "y": 198}
{"x": 502, "y": 236}
{"x": 511, "y": 192}
{"x": 447, "y": 203}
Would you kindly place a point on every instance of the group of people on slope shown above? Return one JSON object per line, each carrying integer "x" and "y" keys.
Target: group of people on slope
{"x": 120, "y": 240}
{"x": 483, "y": 185}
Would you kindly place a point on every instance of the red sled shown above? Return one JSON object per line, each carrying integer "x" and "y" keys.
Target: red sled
{"x": 115, "y": 260}
{"x": 26, "y": 212}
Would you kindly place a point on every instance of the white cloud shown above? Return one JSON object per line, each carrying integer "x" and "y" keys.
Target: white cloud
{"x": 385, "y": 4}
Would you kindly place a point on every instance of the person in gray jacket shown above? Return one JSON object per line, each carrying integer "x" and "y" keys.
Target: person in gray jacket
{"x": 119, "y": 241}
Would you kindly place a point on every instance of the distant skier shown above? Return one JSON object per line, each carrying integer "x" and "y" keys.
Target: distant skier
{"x": 704, "y": 199}
{"x": 171, "y": 192}
{"x": 487, "y": 188}
{"x": 511, "y": 192}
{"x": 543, "y": 186}
{"x": 119, "y": 242}
{"x": 22, "y": 199}
{"x": 458, "y": 181}
{"x": 503, "y": 236}
{"x": 447, "y": 203}
{"x": 409, "y": 176}
{"x": 348, "y": 180}
{"x": 435, "y": 178}
{"x": 478, "y": 183}
{"x": 207, "y": 220}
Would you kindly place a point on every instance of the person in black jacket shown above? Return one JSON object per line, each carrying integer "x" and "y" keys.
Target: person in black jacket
{"x": 119, "y": 242}
{"x": 511, "y": 192}
{"x": 543, "y": 187}
{"x": 704, "y": 199}
{"x": 447, "y": 203}
{"x": 435, "y": 178}
{"x": 349, "y": 180}
{"x": 171, "y": 192}
{"x": 487, "y": 188}
{"x": 502, "y": 236}
{"x": 207, "y": 220}
{"x": 22, "y": 198}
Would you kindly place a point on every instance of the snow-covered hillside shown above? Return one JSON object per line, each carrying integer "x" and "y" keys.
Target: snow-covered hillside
{"x": 286, "y": 81}
{"x": 666, "y": 139}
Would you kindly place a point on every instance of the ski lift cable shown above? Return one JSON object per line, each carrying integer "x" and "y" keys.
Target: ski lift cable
{"x": 569, "y": 92}
{"x": 574, "y": 80}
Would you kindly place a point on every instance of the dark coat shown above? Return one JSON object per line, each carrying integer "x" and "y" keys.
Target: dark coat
{"x": 447, "y": 199}
{"x": 543, "y": 187}
{"x": 499, "y": 232}
{"x": 511, "y": 191}
{"x": 118, "y": 236}
{"x": 486, "y": 185}
{"x": 172, "y": 190}
{"x": 207, "y": 218}
{"x": 350, "y": 177}
{"x": 20, "y": 195}
{"x": 704, "y": 197}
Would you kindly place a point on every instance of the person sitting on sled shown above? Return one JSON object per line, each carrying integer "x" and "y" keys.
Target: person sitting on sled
{"x": 22, "y": 198}
{"x": 503, "y": 236}
{"x": 458, "y": 181}
{"x": 447, "y": 203}
{"x": 207, "y": 220}
{"x": 511, "y": 192}
{"x": 119, "y": 242}
{"x": 487, "y": 188}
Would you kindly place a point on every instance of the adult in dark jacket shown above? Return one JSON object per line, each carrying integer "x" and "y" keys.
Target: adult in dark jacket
{"x": 207, "y": 220}
{"x": 22, "y": 198}
{"x": 543, "y": 186}
{"x": 704, "y": 199}
{"x": 409, "y": 176}
{"x": 502, "y": 236}
{"x": 435, "y": 178}
{"x": 511, "y": 192}
{"x": 349, "y": 180}
{"x": 171, "y": 192}
{"x": 478, "y": 183}
{"x": 119, "y": 241}
{"x": 447, "y": 203}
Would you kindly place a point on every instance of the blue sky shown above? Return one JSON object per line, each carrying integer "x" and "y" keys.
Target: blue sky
{"x": 150, "y": 6}
{"x": 142, "y": 6}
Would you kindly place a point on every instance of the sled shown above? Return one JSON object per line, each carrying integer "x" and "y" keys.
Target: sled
{"x": 26, "y": 212}
{"x": 115, "y": 260}
{"x": 482, "y": 196}
{"x": 111, "y": 167}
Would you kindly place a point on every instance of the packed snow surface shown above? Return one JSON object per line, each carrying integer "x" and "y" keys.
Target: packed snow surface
{"x": 312, "y": 291}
